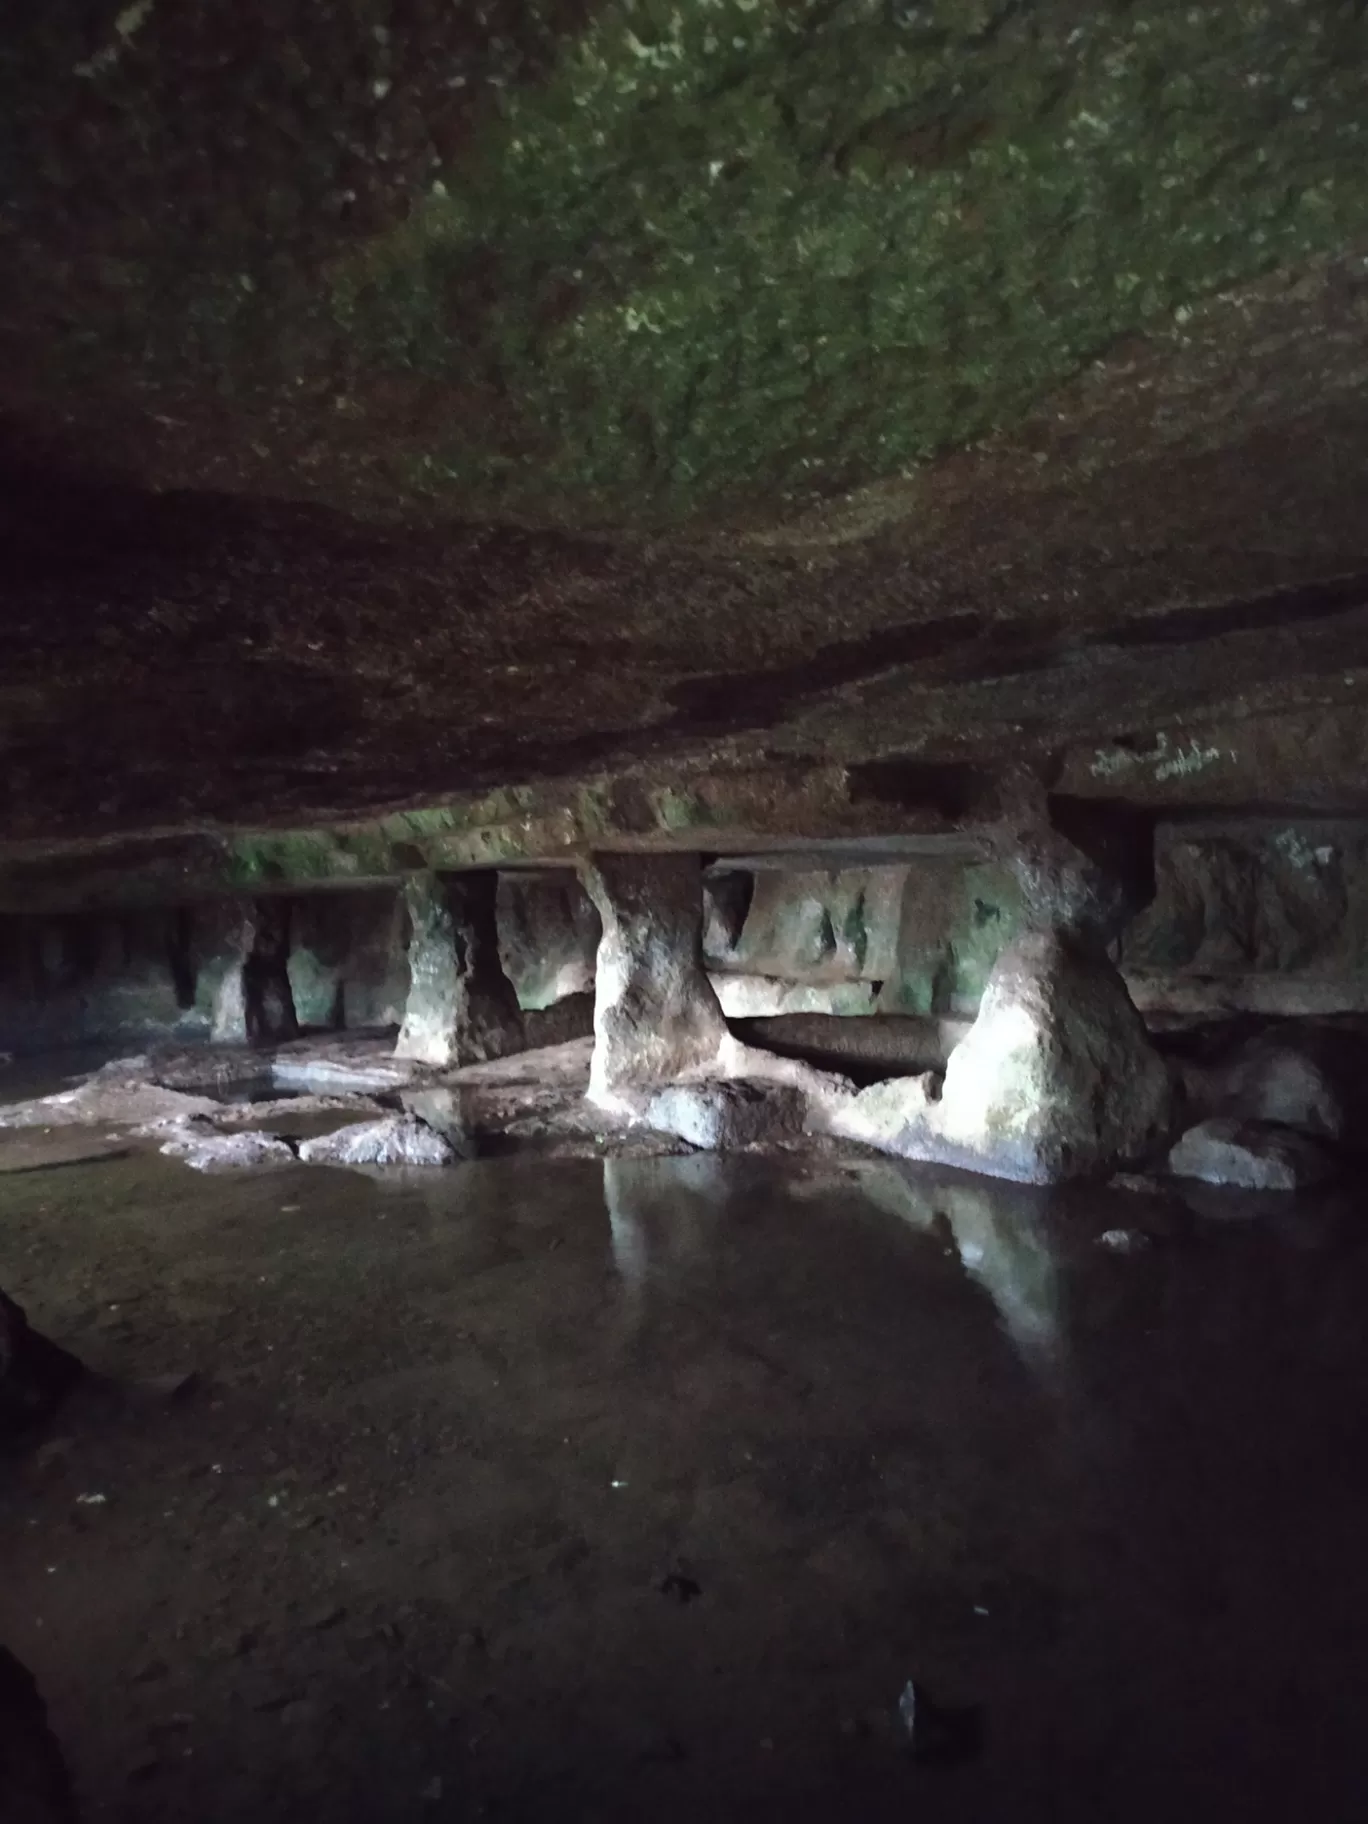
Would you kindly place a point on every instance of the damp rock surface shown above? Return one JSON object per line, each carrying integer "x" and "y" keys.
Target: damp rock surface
{"x": 814, "y": 1386}
{"x": 883, "y": 1114}
{"x": 1284, "y": 1081}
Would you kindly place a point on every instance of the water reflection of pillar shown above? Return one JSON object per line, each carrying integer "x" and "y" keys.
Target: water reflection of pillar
{"x": 999, "y": 1231}
{"x": 660, "y": 1218}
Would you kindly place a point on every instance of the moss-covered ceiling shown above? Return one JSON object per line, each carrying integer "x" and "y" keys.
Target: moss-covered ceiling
{"x": 633, "y": 262}
{"x": 519, "y": 413}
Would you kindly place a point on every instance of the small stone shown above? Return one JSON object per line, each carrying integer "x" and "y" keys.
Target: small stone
{"x": 52, "y": 1454}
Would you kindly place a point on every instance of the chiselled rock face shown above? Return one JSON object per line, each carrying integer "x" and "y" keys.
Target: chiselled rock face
{"x": 928, "y": 440}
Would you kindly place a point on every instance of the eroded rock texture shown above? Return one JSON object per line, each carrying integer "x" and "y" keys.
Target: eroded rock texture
{"x": 656, "y": 1017}
{"x": 461, "y": 1006}
{"x": 34, "y": 1787}
{"x": 1290, "y": 1079}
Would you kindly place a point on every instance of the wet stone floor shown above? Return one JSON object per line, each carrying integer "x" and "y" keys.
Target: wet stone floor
{"x": 640, "y": 1489}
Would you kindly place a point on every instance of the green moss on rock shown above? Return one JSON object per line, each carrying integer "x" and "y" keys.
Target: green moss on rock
{"x": 752, "y": 247}
{"x": 681, "y": 254}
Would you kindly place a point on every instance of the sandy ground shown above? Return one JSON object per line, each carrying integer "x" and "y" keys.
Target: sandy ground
{"x": 559, "y": 1490}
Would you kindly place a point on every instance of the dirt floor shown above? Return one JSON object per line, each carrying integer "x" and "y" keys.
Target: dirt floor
{"x": 569, "y": 1489}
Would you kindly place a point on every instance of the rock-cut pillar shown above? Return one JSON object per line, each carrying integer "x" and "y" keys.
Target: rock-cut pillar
{"x": 656, "y": 1017}
{"x": 461, "y": 1007}
{"x": 254, "y": 1003}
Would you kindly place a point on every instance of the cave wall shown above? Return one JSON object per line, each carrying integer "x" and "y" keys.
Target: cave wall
{"x": 129, "y": 978}
{"x": 548, "y": 936}
{"x": 347, "y": 959}
{"x": 83, "y": 978}
{"x": 916, "y": 938}
{"x": 1273, "y": 919}
{"x": 1261, "y": 917}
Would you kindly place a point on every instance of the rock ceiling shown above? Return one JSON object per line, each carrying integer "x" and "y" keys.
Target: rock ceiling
{"x": 493, "y": 429}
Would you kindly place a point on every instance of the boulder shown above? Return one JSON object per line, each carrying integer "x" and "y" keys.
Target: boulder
{"x": 461, "y": 1007}
{"x": 656, "y": 1017}
{"x": 34, "y": 1374}
{"x": 722, "y": 1116}
{"x": 212, "y": 1152}
{"x": 1250, "y": 1155}
{"x": 398, "y": 1140}
{"x": 34, "y": 1787}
